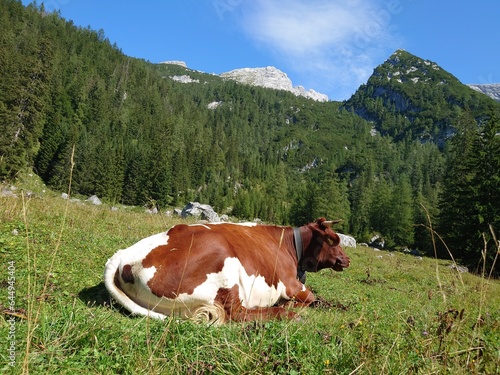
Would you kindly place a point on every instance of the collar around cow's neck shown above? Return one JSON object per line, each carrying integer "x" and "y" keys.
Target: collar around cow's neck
{"x": 299, "y": 246}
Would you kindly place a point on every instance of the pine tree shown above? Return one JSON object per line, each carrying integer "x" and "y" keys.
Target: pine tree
{"x": 401, "y": 216}
{"x": 470, "y": 200}
{"x": 487, "y": 181}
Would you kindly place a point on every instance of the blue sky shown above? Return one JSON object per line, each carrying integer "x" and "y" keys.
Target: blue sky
{"x": 330, "y": 46}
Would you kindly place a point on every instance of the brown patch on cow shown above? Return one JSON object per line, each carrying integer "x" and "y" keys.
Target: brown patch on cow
{"x": 127, "y": 274}
{"x": 184, "y": 262}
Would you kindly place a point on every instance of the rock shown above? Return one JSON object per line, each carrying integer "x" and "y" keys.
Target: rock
{"x": 412, "y": 252}
{"x": 377, "y": 242}
{"x": 64, "y": 196}
{"x": 94, "y": 200}
{"x": 175, "y": 62}
{"x": 461, "y": 269}
{"x": 491, "y": 89}
{"x": 273, "y": 78}
{"x": 213, "y": 105}
{"x": 152, "y": 210}
{"x": 347, "y": 241}
{"x": 185, "y": 79}
{"x": 8, "y": 192}
{"x": 203, "y": 211}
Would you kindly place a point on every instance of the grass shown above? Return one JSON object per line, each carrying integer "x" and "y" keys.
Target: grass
{"x": 389, "y": 313}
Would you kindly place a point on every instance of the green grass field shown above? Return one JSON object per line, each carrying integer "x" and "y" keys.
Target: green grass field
{"x": 389, "y": 313}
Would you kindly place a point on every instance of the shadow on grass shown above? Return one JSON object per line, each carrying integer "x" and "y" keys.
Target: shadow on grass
{"x": 95, "y": 296}
{"x": 98, "y": 296}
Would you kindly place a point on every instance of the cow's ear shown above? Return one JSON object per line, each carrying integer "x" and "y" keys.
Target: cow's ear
{"x": 333, "y": 241}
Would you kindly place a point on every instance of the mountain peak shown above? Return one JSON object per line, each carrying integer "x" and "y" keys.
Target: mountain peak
{"x": 408, "y": 96}
{"x": 402, "y": 67}
{"x": 271, "y": 77}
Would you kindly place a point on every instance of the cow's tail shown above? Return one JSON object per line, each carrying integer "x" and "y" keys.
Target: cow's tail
{"x": 112, "y": 283}
{"x": 209, "y": 314}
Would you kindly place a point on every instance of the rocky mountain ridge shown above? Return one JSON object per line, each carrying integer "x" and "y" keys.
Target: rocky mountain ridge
{"x": 414, "y": 70}
{"x": 490, "y": 89}
{"x": 268, "y": 77}
{"x": 271, "y": 77}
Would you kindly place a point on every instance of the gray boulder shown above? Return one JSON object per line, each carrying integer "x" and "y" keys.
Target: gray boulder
{"x": 377, "y": 242}
{"x": 202, "y": 211}
{"x": 347, "y": 241}
{"x": 94, "y": 200}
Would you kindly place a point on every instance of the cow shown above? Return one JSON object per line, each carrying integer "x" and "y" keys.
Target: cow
{"x": 223, "y": 272}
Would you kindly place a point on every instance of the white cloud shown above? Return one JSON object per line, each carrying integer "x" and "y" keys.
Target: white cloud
{"x": 330, "y": 44}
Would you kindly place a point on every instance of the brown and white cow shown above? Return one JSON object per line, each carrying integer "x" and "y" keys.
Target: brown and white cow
{"x": 220, "y": 272}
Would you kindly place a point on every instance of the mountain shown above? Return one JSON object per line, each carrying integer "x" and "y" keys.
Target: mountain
{"x": 411, "y": 96}
{"x": 271, "y": 77}
{"x": 492, "y": 90}
{"x": 268, "y": 77}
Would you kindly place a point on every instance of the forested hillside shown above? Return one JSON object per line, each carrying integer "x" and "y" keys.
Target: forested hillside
{"x": 143, "y": 138}
{"x": 407, "y": 96}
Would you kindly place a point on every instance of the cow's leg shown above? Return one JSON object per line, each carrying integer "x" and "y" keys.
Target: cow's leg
{"x": 304, "y": 298}
{"x": 230, "y": 300}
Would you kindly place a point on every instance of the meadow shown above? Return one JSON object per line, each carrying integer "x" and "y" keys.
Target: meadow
{"x": 389, "y": 313}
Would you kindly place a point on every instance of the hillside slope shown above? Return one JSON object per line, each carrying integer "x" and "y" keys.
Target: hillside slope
{"x": 410, "y": 96}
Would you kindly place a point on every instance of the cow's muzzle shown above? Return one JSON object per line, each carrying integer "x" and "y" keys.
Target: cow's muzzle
{"x": 341, "y": 263}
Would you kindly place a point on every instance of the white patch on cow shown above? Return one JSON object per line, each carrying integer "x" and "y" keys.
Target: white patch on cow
{"x": 134, "y": 293}
{"x": 244, "y": 224}
{"x": 255, "y": 292}
{"x": 200, "y": 225}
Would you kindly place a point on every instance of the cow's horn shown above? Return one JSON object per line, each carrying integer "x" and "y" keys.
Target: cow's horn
{"x": 331, "y": 222}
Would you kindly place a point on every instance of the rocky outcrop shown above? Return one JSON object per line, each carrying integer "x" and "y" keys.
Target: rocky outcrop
{"x": 175, "y": 62}
{"x": 185, "y": 79}
{"x": 271, "y": 77}
{"x": 213, "y": 105}
{"x": 492, "y": 90}
{"x": 202, "y": 211}
{"x": 347, "y": 241}
{"x": 94, "y": 200}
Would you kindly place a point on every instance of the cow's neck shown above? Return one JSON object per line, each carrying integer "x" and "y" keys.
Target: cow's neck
{"x": 307, "y": 261}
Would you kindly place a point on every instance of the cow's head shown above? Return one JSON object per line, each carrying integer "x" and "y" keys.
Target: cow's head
{"x": 323, "y": 249}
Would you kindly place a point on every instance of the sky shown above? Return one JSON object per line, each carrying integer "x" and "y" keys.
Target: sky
{"x": 330, "y": 46}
